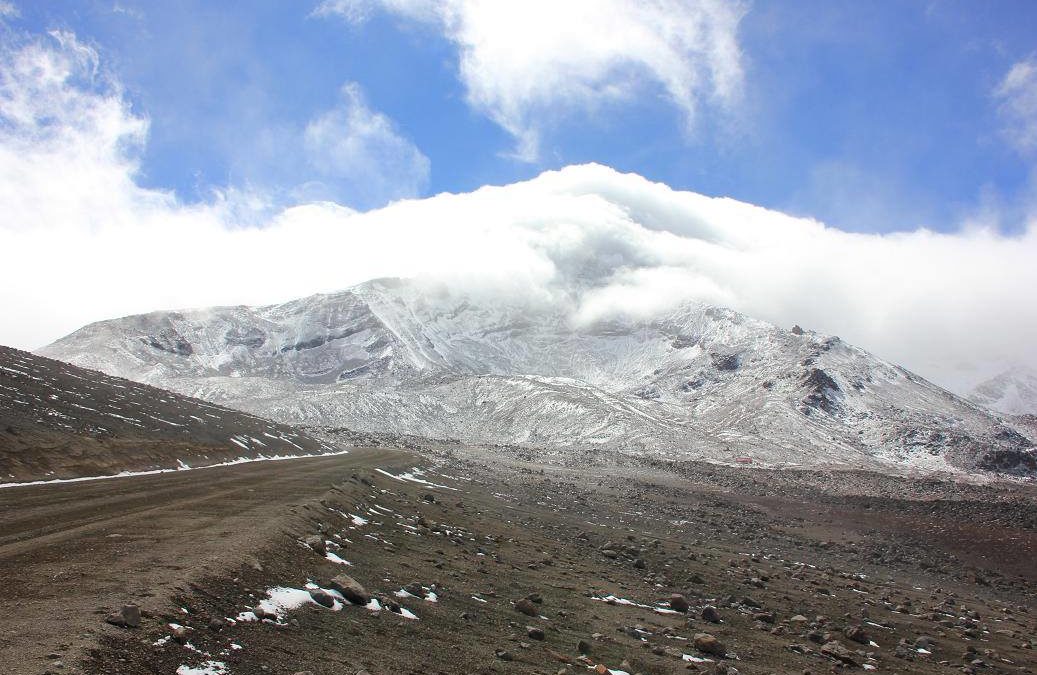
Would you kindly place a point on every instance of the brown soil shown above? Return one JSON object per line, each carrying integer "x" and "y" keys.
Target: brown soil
{"x": 841, "y": 550}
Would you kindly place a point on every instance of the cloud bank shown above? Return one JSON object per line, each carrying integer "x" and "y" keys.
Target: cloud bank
{"x": 525, "y": 64}
{"x": 82, "y": 241}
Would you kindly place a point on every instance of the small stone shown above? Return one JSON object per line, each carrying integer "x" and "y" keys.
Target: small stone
{"x": 679, "y": 603}
{"x": 535, "y": 633}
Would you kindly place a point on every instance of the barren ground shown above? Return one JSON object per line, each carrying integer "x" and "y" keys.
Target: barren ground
{"x": 790, "y": 561}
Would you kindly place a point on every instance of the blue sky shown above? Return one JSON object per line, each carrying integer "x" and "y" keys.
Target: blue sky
{"x": 871, "y": 116}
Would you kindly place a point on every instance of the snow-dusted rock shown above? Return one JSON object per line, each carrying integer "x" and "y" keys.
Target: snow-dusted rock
{"x": 700, "y": 382}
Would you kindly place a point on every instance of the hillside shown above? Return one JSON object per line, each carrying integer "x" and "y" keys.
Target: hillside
{"x": 58, "y": 421}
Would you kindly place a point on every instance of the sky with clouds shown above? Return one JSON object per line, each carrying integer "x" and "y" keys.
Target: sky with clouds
{"x": 156, "y": 155}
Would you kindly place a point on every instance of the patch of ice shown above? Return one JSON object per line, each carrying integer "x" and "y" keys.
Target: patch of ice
{"x": 152, "y": 472}
{"x": 207, "y": 668}
{"x": 337, "y": 560}
{"x": 613, "y": 600}
{"x": 413, "y": 477}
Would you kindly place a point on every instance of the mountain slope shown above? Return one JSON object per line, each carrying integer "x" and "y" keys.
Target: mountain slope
{"x": 1013, "y": 392}
{"x": 59, "y": 421}
{"x": 700, "y": 381}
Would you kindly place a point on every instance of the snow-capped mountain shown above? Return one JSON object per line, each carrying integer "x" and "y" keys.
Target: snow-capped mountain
{"x": 697, "y": 382}
{"x": 1013, "y": 392}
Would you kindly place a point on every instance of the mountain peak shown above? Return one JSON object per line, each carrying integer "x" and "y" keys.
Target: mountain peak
{"x": 695, "y": 382}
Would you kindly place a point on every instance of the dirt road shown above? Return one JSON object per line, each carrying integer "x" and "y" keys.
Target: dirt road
{"x": 70, "y": 552}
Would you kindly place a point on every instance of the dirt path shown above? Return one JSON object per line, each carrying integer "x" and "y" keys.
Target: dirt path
{"x": 70, "y": 552}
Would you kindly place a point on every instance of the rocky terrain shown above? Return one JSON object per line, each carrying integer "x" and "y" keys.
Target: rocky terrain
{"x": 58, "y": 421}
{"x": 471, "y": 561}
{"x": 699, "y": 382}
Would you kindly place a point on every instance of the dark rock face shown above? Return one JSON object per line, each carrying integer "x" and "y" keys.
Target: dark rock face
{"x": 684, "y": 341}
{"x": 823, "y": 391}
{"x": 726, "y": 362}
{"x": 1022, "y": 462}
{"x": 168, "y": 340}
{"x": 368, "y": 323}
{"x": 649, "y": 392}
{"x": 692, "y": 385}
{"x": 251, "y": 338}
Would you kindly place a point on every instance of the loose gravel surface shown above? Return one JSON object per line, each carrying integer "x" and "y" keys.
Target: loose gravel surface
{"x": 472, "y": 560}
{"x": 71, "y": 552}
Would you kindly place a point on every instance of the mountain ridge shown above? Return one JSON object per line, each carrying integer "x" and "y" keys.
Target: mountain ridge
{"x": 699, "y": 381}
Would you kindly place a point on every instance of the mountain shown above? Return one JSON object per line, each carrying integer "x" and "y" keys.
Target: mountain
{"x": 699, "y": 382}
{"x": 1013, "y": 392}
{"x": 58, "y": 421}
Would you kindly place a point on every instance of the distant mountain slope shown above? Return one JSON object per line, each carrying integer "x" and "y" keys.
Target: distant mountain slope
{"x": 1013, "y": 392}
{"x": 61, "y": 421}
{"x": 699, "y": 382}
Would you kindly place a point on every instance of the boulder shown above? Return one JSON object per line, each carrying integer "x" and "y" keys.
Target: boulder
{"x": 526, "y": 606}
{"x": 857, "y": 634}
{"x": 316, "y": 543}
{"x": 708, "y": 644}
{"x": 835, "y": 650}
{"x": 322, "y": 598}
{"x": 128, "y": 616}
{"x": 679, "y": 603}
{"x": 710, "y": 614}
{"x": 351, "y": 589}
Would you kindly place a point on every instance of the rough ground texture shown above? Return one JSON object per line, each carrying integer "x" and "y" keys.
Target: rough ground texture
{"x": 70, "y": 552}
{"x": 59, "y": 421}
{"x": 530, "y": 565}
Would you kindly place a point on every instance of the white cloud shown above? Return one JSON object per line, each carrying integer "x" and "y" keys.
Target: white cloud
{"x": 361, "y": 149}
{"x": 1017, "y": 94}
{"x": 9, "y": 10}
{"x": 526, "y": 64}
{"x": 80, "y": 241}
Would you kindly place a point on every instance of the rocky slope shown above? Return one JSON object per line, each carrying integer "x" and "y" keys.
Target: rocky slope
{"x": 1013, "y": 392}
{"x": 699, "y": 382}
{"x": 58, "y": 421}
